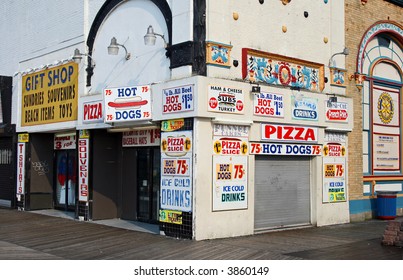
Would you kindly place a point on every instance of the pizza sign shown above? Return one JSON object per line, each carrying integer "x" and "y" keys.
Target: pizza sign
{"x": 275, "y": 132}
{"x": 230, "y": 146}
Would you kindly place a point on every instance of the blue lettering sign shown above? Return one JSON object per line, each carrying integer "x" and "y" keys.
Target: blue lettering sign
{"x": 60, "y": 75}
{"x": 127, "y": 92}
{"x": 131, "y": 114}
{"x": 175, "y": 199}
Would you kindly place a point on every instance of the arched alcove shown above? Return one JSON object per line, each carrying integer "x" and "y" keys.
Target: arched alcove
{"x": 380, "y": 61}
{"x": 128, "y": 21}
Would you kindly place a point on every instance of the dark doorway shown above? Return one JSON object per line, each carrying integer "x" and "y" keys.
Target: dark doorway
{"x": 66, "y": 180}
{"x": 148, "y": 184}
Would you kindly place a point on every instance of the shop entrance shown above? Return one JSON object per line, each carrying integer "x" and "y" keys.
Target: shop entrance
{"x": 148, "y": 184}
{"x": 66, "y": 179}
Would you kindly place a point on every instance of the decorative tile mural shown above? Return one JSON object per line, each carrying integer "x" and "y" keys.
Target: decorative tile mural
{"x": 258, "y": 66}
{"x": 218, "y": 54}
{"x": 338, "y": 77}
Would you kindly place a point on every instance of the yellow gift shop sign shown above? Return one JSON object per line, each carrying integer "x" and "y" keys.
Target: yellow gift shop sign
{"x": 50, "y": 96}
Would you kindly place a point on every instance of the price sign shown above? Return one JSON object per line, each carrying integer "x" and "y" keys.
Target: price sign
{"x": 230, "y": 182}
{"x": 178, "y": 167}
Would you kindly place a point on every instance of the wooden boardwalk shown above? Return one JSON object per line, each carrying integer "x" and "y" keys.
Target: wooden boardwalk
{"x": 27, "y": 236}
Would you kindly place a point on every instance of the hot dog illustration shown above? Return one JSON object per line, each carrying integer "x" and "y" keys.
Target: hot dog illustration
{"x": 123, "y": 103}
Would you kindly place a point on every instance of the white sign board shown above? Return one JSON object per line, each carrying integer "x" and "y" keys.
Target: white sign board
{"x": 268, "y": 105}
{"x": 230, "y": 187}
{"x": 178, "y": 99}
{"x": 83, "y": 169}
{"x": 222, "y": 99}
{"x": 143, "y": 137}
{"x": 125, "y": 104}
{"x": 176, "y": 171}
{"x": 20, "y": 168}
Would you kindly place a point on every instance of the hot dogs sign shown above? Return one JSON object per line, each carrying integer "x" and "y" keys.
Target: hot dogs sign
{"x": 123, "y": 104}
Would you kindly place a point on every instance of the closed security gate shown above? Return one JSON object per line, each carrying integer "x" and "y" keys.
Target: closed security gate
{"x": 282, "y": 191}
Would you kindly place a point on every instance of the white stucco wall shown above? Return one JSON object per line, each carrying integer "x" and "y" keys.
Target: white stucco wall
{"x": 209, "y": 224}
{"x": 260, "y": 26}
{"x": 128, "y": 23}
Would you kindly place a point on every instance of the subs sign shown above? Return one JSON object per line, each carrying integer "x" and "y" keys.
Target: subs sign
{"x": 225, "y": 100}
{"x": 125, "y": 104}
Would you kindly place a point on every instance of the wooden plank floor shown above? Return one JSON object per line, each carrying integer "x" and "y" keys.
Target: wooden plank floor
{"x": 26, "y": 235}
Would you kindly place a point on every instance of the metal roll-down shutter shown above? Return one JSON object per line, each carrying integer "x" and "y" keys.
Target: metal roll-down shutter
{"x": 282, "y": 191}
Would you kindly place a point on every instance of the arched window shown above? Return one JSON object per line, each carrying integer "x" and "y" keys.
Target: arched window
{"x": 382, "y": 64}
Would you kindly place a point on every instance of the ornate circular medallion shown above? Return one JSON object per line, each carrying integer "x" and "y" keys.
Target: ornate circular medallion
{"x": 284, "y": 75}
{"x": 385, "y": 108}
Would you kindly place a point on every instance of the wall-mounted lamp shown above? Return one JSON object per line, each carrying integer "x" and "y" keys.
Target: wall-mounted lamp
{"x": 78, "y": 56}
{"x": 331, "y": 100}
{"x": 299, "y": 96}
{"x": 255, "y": 89}
{"x": 151, "y": 37}
{"x": 113, "y": 48}
{"x": 344, "y": 52}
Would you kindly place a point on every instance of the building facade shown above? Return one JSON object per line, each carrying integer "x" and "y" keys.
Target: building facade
{"x": 375, "y": 41}
{"x": 7, "y": 147}
{"x": 210, "y": 118}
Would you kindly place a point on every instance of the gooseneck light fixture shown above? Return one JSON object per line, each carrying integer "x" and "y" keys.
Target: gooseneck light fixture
{"x": 113, "y": 48}
{"x": 78, "y": 56}
{"x": 344, "y": 52}
{"x": 151, "y": 37}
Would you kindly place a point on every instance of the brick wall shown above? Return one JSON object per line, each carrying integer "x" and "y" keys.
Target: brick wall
{"x": 358, "y": 19}
{"x": 393, "y": 233}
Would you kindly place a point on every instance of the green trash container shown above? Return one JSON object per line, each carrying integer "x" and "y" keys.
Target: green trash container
{"x": 386, "y": 205}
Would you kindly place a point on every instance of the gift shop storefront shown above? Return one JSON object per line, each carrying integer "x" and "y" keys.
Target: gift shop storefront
{"x": 47, "y": 140}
